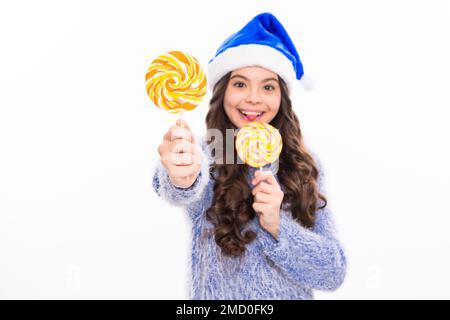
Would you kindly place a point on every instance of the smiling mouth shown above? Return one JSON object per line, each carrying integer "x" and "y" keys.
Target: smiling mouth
{"x": 251, "y": 115}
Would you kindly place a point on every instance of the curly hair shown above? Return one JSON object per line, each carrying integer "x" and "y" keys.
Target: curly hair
{"x": 231, "y": 208}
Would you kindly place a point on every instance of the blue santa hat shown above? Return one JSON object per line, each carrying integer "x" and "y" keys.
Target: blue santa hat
{"x": 261, "y": 42}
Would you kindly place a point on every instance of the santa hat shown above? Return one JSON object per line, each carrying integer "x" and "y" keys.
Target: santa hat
{"x": 261, "y": 42}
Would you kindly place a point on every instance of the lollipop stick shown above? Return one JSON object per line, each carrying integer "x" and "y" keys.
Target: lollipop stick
{"x": 260, "y": 167}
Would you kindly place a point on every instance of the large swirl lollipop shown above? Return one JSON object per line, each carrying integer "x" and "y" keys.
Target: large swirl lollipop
{"x": 175, "y": 81}
{"x": 258, "y": 144}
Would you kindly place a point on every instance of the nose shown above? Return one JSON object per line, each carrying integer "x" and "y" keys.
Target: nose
{"x": 253, "y": 97}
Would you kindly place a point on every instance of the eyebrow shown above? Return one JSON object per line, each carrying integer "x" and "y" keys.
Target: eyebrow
{"x": 265, "y": 80}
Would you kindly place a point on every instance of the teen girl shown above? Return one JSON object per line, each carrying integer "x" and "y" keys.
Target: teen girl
{"x": 254, "y": 236}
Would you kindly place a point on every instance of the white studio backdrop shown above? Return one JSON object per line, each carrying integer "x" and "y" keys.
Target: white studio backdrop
{"x": 79, "y": 138}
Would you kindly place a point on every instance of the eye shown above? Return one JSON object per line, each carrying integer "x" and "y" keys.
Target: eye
{"x": 237, "y": 84}
{"x": 269, "y": 87}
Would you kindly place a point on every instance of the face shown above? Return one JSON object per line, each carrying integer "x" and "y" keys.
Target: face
{"x": 252, "y": 94}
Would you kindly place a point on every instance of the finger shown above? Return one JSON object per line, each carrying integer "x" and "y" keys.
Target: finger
{"x": 181, "y": 146}
{"x": 263, "y": 187}
{"x": 183, "y": 171}
{"x": 263, "y": 198}
{"x": 181, "y": 159}
{"x": 259, "y": 207}
{"x": 176, "y": 132}
{"x": 162, "y": 148}
{"x": 195, "y": 140}
{"x": 198, "y": 156}
{"x": 182, "y": 123}
{"x": 185, "y": 158}
{"x": 266, "y": 176}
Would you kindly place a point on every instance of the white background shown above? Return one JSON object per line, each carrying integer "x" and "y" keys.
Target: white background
{"x": 79, "y": 137}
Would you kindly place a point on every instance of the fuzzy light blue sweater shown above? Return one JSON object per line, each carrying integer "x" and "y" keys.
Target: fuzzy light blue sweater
{"x": 290, "y": 267}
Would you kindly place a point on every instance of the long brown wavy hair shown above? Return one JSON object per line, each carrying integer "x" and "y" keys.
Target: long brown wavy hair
{"x": 231, "y": 208}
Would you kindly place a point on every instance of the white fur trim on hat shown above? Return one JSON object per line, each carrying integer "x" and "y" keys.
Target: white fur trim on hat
{"x": 251, "y": 55}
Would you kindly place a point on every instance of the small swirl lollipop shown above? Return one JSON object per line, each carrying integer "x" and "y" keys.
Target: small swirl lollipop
{"x": 175, "y": 81}
{"x": 258, "y": 144}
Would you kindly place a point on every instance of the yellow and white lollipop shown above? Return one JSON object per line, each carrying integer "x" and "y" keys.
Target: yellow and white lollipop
{"x": 175, "y": 81}
{"x": 258, "y": 144}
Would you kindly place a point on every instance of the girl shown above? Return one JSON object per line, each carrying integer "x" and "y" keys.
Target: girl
{"x": 254, "y": 236}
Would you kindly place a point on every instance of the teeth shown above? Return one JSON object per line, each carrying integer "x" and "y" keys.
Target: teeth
{"x": 251, "y": 113}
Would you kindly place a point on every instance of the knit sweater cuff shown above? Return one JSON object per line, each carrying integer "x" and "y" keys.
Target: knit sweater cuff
{"x": 278, "y": 248}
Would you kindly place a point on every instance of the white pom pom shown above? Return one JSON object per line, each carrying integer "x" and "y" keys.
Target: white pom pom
{"x": 307, "y": 82}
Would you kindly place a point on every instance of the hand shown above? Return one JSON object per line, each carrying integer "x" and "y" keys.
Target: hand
{"x": 268, "y": 197}
{"x": 180, "y": 154}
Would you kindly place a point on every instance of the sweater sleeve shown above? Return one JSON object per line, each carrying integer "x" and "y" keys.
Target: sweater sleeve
{"x": 315, "y": 258}
{"x": 182, "y": 197}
